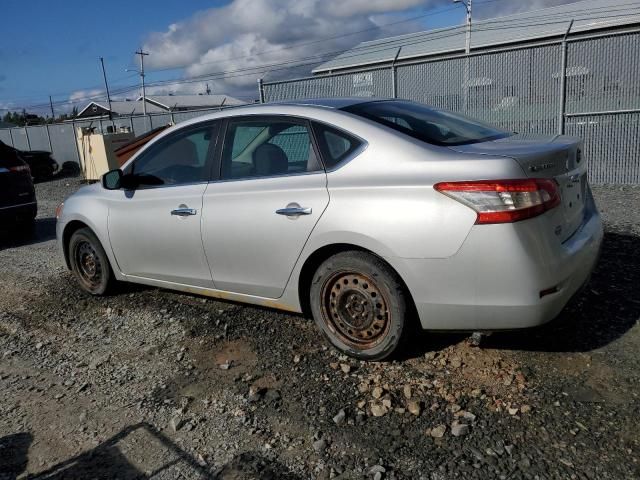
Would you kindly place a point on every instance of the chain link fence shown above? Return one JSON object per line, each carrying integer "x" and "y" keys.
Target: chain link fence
{"x": 60, "y": 138}
{"x": 585, "y": 86}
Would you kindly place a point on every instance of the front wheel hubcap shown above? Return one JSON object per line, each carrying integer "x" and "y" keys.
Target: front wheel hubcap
{"x": 355, "y": 309}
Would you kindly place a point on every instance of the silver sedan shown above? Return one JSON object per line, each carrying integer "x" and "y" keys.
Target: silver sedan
{"x": 374, "y": 216}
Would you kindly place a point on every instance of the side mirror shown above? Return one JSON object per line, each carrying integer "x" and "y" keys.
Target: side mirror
{"x": 112, "y": 180}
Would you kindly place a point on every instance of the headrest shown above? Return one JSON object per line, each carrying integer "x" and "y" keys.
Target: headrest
{"x": 270, "y": 159}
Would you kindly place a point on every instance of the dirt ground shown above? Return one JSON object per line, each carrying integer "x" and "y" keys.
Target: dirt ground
{"x": 158, "y": 384}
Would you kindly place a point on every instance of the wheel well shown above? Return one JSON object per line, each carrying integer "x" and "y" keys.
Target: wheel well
{"x": 315, "y": 260}
{"x": 69, "y": 230}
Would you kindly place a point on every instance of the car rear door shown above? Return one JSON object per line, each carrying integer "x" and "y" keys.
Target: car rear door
{"x": 270, "y": 192}
{"x": 155, "y": 229}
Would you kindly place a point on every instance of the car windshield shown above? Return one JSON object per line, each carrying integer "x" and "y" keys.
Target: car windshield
{"x": 431, "y": 125}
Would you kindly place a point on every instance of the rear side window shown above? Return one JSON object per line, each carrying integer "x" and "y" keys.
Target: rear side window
{"x": 268, "y": 146}
{"x": 334, "y": 144}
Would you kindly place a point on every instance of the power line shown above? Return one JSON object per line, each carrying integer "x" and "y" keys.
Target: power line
{"x": 387, "y": 45}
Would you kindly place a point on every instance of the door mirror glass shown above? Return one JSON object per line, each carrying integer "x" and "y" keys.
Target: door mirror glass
{"x": 112, "y": 180}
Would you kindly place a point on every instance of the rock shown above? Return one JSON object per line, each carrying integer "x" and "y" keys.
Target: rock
{"x": 226, "y": 365}
{"x": 377, "y": 392}
{"x": 180, "y": 356}
{"x": 377, "y": 476}
{"x": 255, "y": 394}
{"x": 456, "y": 362}
{"x": 320, "y": 445}
{"x": 340, "y": 417}
{"x": 378, "y": 410}
{"x": 414, "y": 407}
{"x": 525, "y": 408}
{"x": 513, "y": 410}
{"x": 346, "y": 368}
{"x": 39, "y": 345}
{"x": 272, "y": 395}
{"x": 296, "y": 359}
{"x": 455, "y": 408}
{"x": 459, "y": 429}
{"x": 176, "y": 423}
{"x": 386, "y": 402}
{"x": 407, "y": 391}
{"x": 508, "y": 449}
{"x": 439, "y": 431}
{"x": 468, "y": 416}
{"x": 377, "y": 469}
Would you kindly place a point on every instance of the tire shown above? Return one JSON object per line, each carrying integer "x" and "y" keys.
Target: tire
{"x": 360, "y": 304}
{"x": 89, "y": 263}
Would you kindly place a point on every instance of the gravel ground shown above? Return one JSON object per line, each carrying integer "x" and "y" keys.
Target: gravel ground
{"x": 151, "y": 383}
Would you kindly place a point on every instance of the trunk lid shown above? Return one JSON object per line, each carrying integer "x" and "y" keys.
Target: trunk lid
{"x": 554, "y": 156}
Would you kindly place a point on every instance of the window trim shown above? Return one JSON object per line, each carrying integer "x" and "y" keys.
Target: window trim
{"x": 209, "y": 162}
{"x": 261, "y": 118}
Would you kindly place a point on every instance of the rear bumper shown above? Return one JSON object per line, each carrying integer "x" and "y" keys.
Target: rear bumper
{"x": 19, "y": 213}
{"x": 495, "y": 280}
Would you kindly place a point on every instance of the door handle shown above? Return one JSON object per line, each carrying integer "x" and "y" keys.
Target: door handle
{"x": 184, "y": 212}
{"x": 294, "y": 211}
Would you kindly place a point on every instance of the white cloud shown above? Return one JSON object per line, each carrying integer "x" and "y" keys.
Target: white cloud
{"x": 251, "y": 33}
{"x": 86, "y": 95}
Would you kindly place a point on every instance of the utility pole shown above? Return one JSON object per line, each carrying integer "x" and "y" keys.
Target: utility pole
{"x": 106, "y": 86}
{"x": 208, "y": 90}
{"x": 53, "y": 115}
{"x": 144, "y": 94}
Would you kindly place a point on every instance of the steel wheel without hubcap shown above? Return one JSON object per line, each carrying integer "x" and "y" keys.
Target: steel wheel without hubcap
{"x": 88, "y": 262}
{"x": 355, "y": 309}
{"x": 358, "y": 303}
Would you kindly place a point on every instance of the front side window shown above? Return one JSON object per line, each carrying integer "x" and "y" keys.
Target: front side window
{"x": 179, "y": 159}
{"x": 434, "y": 126}
{"x": 267, "y": 147}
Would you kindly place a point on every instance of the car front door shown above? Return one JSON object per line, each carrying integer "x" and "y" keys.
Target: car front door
{"x": 259, "y": 213}
{"x": 155, "y": 228}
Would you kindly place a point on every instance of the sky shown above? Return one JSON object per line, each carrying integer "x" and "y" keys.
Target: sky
{"x": 53, "y": 47}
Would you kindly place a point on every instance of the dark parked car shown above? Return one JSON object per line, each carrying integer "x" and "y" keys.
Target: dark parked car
{"x": 18, "y": 205}
{"x": 40, "y": 162}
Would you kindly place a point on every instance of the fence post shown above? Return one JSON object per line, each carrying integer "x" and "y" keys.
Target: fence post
{"x": 261, "y": 89}
{"x": 173, "y": 120}
{"x": 394, "y": 75}
{"x": 131, "y": 123}
{"x": 26, "y": 133}
{"x": 563, "y": 82}
{"x": 11, "y": 137}
{"x": 75, "y": 140}
{"x": 46, "y": 126}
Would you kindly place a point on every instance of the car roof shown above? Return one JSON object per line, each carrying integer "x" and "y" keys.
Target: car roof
{"x": 334, "y": 102}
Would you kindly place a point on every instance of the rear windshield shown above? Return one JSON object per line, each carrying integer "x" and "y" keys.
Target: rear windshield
{"x": 438, "y": 127}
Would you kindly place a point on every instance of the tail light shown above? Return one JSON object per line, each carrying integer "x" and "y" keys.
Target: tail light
{"x": 19, "y": 168}
{"x": 504, "y": 201}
